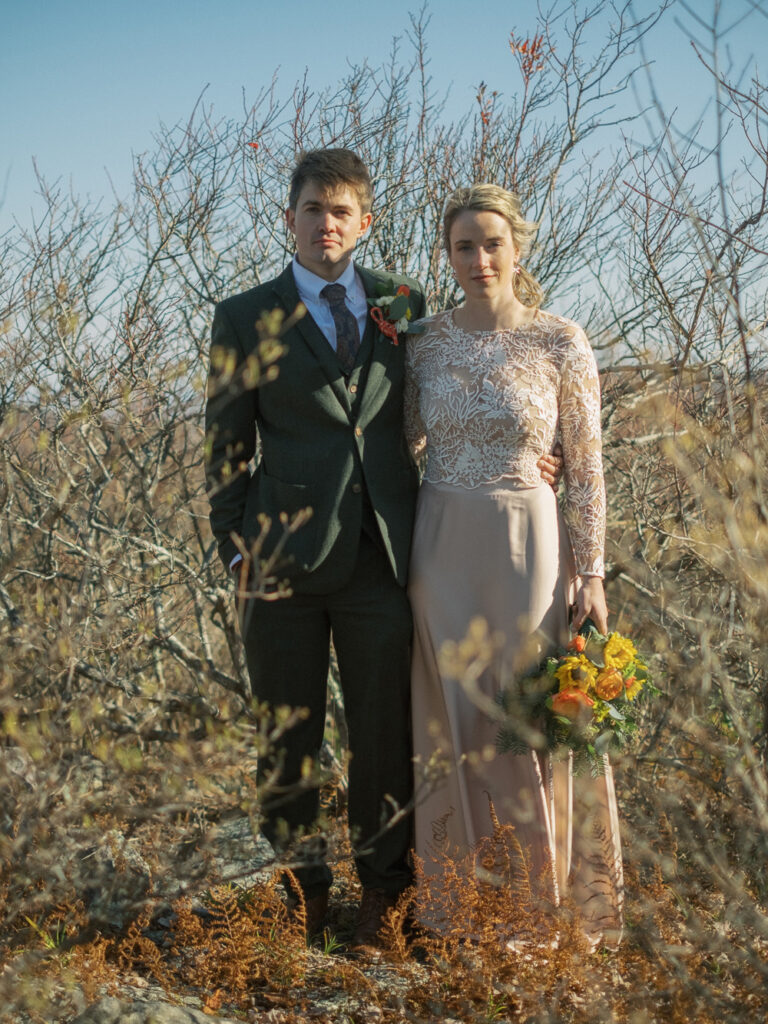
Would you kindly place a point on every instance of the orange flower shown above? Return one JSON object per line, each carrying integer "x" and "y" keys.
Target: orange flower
{"x": 403, "y": 290}
{"x": 573, "y": 703}
{"x": 578, "y": 643}
{"x": 609, "y": 684}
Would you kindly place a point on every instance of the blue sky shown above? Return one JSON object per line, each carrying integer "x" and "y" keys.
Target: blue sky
{"x": 84, "y": 84}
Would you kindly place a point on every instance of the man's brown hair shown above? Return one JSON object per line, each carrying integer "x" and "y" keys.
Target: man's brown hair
{"x": 332, "y": 169}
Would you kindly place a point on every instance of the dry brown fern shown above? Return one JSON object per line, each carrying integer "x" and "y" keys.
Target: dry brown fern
{"x": 394, "y": 932}
{"x": 246, "y": 940}
{"x": 136, "y": 950}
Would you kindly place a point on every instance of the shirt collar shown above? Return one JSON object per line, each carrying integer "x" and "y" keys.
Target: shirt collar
{"x": 311, "y": 285}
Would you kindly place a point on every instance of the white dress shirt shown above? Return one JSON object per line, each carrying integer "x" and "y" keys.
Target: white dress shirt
{"x": 309, "y": 286}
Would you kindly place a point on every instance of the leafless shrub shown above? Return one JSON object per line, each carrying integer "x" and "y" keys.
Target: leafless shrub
{"x": 127, "y": 720}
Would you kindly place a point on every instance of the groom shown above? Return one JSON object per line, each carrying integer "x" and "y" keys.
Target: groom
{"x": 330, "y": 438}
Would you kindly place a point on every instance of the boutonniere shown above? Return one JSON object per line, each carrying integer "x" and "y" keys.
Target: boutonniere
{"x": 392, "y": 313}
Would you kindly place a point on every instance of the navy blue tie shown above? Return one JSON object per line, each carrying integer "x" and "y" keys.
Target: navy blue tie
{"x": 347, "y": 331}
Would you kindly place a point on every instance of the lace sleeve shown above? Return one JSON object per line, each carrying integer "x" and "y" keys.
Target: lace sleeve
{"x": 415, "y": 432}
{"x": 579, "y": 407}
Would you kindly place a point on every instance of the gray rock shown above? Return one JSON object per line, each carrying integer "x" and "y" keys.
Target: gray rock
{"x": 113, "y": 1011}
{"x": 18, "y": 779}
{"x": 239, "y": 855}
{"x": 226, "y": 852}
{"x": 120, "y": 880}
{"x": 17, "y": 762}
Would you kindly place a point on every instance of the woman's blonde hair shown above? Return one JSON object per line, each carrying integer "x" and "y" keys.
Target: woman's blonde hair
{"x": 507, "y": 205}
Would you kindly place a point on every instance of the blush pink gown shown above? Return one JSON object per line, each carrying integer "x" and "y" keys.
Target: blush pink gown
{"x": 491, "y": 547}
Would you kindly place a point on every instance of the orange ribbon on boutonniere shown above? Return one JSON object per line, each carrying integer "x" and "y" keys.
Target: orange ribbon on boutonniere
{"x": 391, "y": 312}
{"x": 385, "y": 326}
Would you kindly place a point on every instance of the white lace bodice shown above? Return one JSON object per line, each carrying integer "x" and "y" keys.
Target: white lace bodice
{"x": 488, "y": 404}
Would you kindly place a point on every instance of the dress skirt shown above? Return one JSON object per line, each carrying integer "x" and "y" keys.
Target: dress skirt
{"x": 492, "y": 572}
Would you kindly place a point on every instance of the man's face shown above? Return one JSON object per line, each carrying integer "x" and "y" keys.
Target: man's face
{"x": 326, "y": 225}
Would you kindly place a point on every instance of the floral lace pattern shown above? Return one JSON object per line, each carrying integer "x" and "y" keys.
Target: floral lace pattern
{"x": 486, "y": 405}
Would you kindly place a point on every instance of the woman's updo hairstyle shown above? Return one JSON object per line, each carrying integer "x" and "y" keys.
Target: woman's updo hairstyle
{"x": 506, "y": 204}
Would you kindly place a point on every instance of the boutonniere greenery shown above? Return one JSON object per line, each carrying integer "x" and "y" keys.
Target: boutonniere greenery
{"x": 392, "y": 312}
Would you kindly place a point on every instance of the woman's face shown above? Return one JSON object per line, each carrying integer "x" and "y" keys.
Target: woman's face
{"x": 483, "y": 254}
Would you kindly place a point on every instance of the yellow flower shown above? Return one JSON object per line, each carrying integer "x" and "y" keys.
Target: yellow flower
{"x": 609, "y": 683}
{"x": 632, "y": 687}
{"x": 576, "y": 671}
{"x": 619, "y": 651}
{"x": 600, "y": 710}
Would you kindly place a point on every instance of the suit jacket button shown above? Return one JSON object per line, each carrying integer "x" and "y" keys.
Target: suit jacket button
{"x": 356, "y": 488}
{"x": 353, "y": 388}
{"x": 358, "y": 431}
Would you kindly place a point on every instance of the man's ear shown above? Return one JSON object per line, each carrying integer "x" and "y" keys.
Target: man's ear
{"x": 290, "y": 220}
{"x": 365, "y": 223}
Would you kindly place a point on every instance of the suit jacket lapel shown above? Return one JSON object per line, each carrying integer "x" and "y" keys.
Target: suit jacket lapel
{"x": 285, "y": 286}
{"x": 383, "y": 351}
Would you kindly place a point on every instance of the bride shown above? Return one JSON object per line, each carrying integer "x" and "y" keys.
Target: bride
{"x": 489, "y": 387}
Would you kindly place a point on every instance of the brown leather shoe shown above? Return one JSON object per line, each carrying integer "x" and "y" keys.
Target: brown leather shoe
{"x": 370, "y": 919}
{"x": 316, "y": 908}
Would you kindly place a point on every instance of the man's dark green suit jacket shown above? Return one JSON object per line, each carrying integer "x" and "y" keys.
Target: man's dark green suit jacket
{"x": 325, "y": 442}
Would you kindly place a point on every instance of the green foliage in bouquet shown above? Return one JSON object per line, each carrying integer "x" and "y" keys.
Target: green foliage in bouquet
{"x": 584, "y": 698}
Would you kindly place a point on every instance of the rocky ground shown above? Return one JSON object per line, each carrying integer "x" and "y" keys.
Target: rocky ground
{"x": 220, "y": 949}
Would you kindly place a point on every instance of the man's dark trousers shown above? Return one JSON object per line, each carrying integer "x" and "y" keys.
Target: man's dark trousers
{"x": 287, "y": 649}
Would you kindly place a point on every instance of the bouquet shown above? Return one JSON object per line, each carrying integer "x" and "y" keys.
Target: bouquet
{"x": 584, "y": 698}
